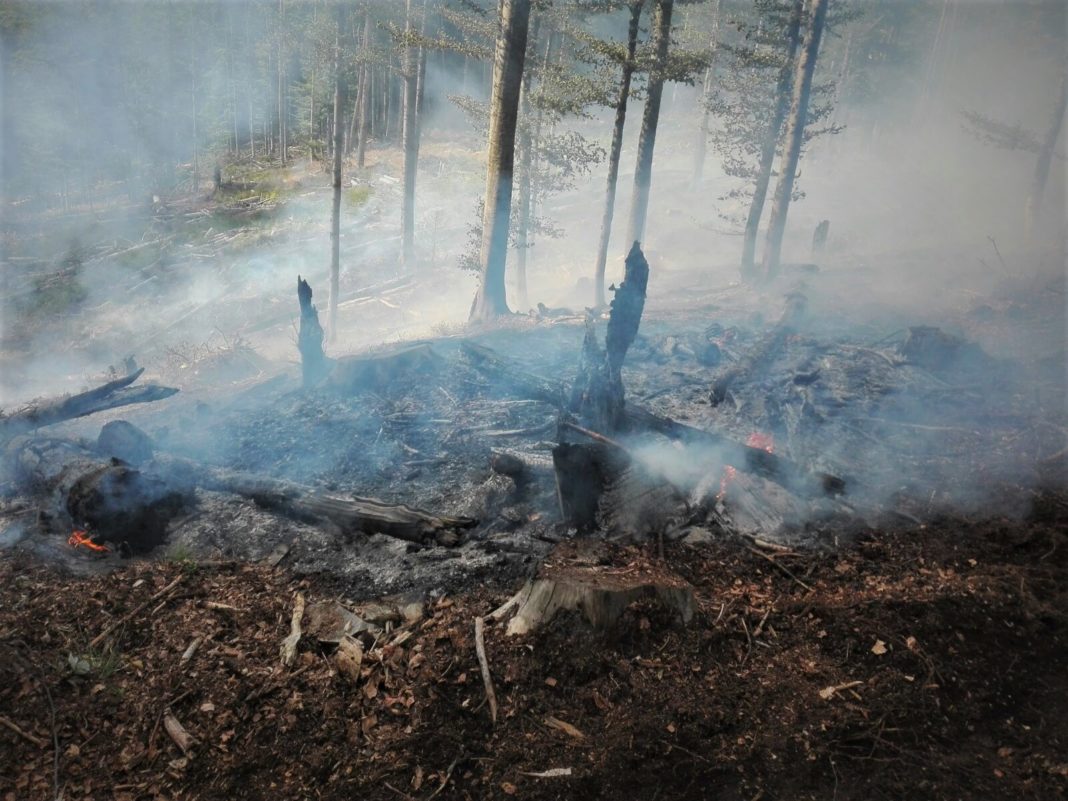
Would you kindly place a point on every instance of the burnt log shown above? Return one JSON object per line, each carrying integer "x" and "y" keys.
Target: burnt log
{"x": 111, "y": 500}
{"x": 774, "y": 467}
{"x": 111, "y": 395}
{"x": 300, "y": 502}
{"x": 757, "y": 361}
{"x": 315, "y": 366}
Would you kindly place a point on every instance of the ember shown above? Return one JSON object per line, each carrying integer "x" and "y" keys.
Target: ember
{"x": 80, "y": 537}
{"x": 755, "y": 440}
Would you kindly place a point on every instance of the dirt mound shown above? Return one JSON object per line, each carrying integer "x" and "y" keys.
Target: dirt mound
{"x": 920, "y": 664}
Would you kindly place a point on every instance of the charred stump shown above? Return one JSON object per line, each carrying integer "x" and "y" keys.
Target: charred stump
{"x": 314, "y": 364}
{"x": 597, "y": 397}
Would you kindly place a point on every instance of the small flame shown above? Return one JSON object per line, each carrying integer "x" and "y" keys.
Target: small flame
{"x": 755, "y": 440}
{"x": 80, "y": 537}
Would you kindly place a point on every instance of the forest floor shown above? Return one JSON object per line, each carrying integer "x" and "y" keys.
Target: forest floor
{"x": 915, "y": 664}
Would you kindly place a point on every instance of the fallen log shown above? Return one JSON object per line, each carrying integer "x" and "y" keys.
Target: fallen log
{"x": 131, "y": 507}
{"x": 757, "y": 361}
{"x": 508, "y": 374}
{"x": 300, "y": 502}
{"x": 111, "y": 395}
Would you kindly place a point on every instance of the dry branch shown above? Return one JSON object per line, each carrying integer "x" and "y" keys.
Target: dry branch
{"x": 289, "y": 644}
{"x": 483, "y": 663}
{"x": 56, "y": 410}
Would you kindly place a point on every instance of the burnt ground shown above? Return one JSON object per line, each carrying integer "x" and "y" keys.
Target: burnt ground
{"x": 923, "y": 663}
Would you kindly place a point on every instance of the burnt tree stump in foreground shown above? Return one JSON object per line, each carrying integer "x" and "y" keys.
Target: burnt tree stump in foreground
{"x": 579, "y": 577}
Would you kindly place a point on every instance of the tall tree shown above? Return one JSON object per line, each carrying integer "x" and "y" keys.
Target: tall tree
{"x": 339, "y": 154}
{"x": 366, "y": 68}
{"x": 643, "y": 172}
{"x": 627, "y": 70}
{"x": 409, "y": 140}
{"x": 706, "y": 97}
{"x": 771, "y": 139}
{"x": 792, "y": 138}
{"x": 508, "y": 59}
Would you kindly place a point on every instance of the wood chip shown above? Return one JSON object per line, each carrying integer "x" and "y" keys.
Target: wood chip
{"x": 349, "y": 658}
{"x": 289, "y": 644}
{"x": 565, "y": 727}
{"x": 176, "y": 731}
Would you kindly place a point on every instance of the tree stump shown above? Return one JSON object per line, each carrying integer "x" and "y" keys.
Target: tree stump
{"x": 574, "y": 579}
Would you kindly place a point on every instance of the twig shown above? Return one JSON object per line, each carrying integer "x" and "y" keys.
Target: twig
{"x": 1004, "y": 266}
{"x": 483, "y": 663}
{"x": 134, "y": 612}
{"x": 784, "y": 569}
{"x": 10, "y": 724}
{"x": 401, "y": 793}
{"x": 448, "y": 775}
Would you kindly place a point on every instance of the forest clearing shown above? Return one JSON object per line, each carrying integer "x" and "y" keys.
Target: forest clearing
{"x": 462, "y": 399}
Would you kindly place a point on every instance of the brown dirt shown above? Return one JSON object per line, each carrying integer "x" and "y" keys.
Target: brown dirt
{"x": 945, "y": 645}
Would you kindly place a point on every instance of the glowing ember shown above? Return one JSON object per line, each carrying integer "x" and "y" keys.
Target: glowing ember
{"x": 755, "y": 440}
{"x": 80, "y": 537}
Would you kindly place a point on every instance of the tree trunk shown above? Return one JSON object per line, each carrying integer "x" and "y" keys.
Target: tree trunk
{"x": 643, "y": 172}
{"x": 335, "y": 220}
{"x": 525, "y": 145}
{"x": 771, "y": 140}
{"x": 1045, "y": 159}
{"x": 793, "y": 136}
{"x": 313, "y": 362}
{"x": 614, "y": 153}
{"x": 491, "y": 300}
{"x": 280, "y": 64}
{"x": 366, "y": 88}
{"x": 410, "y": 143}
{"x": 706, "y": 94}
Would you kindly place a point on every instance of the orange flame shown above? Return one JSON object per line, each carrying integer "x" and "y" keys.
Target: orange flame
{"x": 80, "y": 537}
{"x": 755, "y": 440}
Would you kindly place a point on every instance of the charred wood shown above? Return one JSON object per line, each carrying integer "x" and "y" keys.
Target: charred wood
{"x": 300, "y": 502}
{"x": 744, "y": 457}
{"x": 314, "y": 364}
{"x": 757, "y": 361}
{"x": 111, "y": 395}
{"x": 598, "y": 397}
{"x": 111, "y": 500}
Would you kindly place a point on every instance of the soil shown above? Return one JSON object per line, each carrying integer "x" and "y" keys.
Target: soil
{"x": 921, "y": 663}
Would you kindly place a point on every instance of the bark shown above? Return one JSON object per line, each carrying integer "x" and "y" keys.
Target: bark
{"x": 771, "y": 139}
{"x": 410, "y": 144}
{"x": 643, "y": 172}
{"x": 615, "y": 151}
{"x": 1045, "y": 159}
{"x": 792, "y": 138}
{"x": 335, "y": 220}
{"x": 491, "y": 300}
{"x": 111, "y": 395}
